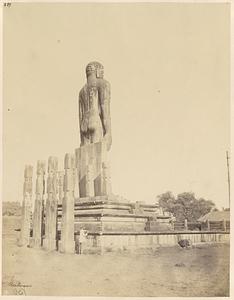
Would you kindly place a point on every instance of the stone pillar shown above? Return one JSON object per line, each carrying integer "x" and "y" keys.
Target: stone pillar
{"x": 50, "y": 241}
{"x": 38, "y": 207}
{"x": 60, "y": 187}
{"x": 186, "y": 224}
{"x": 67, "y": 228}
{"x": 208, "y": 225}
{"x": 224, "y": 225}
{"x": 26, "y": 207}
{"x": 173, "y": 225}
{"x": 92, "y": 158}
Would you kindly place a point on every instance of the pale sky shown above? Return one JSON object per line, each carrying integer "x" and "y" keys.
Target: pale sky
{"x": 168, "y": 65}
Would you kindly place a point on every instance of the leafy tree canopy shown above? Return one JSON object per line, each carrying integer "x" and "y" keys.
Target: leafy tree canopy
{"x": 11, "y": 208}
{"x": 185, "y": 206}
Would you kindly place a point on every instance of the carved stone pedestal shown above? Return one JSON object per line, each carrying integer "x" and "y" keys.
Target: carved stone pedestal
{"x": 93, "y": 170}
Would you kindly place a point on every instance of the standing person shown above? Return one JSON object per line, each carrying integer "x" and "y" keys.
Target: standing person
{"x": 82, "y": 239}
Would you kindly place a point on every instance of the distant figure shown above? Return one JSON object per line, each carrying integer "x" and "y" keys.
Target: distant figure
{"x": 185, "y": 243}
{"x": 82, "y": 239}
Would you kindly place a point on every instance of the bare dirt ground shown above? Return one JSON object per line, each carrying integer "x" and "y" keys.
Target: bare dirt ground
{"x": 201, "y": 271}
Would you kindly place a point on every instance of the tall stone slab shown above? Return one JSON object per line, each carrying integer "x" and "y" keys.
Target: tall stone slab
{"x": 26, "y": 207}
{"x": 67, "y": 228}
{"x": 50, "y": 241}
{"x": 39, "y": 204}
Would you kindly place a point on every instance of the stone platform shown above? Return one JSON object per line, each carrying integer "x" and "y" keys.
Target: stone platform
{"x": 115, "y": 214}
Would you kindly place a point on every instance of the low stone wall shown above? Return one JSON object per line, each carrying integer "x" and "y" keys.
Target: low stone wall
{"x": 115, "y": 242}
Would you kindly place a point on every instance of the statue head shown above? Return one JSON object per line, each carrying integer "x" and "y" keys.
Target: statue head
{"x": 95, "y": 68}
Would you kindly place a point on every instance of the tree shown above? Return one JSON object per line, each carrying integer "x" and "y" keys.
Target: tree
{"x": 11, "y": 208}
{"x": 166, "y": 201}
{"x": 185, "y": 206}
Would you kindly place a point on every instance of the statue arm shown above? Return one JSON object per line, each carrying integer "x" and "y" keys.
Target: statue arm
{"x": 104, "y": 94}
{"x": 81, "y": 117}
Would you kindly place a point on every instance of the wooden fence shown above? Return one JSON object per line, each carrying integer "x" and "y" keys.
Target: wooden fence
{"x": 198, "y": 226}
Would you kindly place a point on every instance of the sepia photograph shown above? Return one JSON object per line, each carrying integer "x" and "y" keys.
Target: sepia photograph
{"x": 116, "y": 149}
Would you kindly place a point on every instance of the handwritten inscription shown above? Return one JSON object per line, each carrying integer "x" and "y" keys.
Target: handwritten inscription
{"x": 18, "y": 287}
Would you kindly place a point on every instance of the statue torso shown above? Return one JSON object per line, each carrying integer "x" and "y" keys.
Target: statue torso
{"x": 94, "y": 102}
{"x": 90, "y": 105}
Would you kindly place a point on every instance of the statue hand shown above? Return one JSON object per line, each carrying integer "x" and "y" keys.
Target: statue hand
{"x": 108, "y": 140}
{"x": 84, "y": 124}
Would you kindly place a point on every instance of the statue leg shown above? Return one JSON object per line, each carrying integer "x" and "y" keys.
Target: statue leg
{"x": 97, "y": 134}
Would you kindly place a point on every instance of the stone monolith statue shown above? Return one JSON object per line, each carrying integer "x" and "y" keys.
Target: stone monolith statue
{"x": 94, "y": 107}
{"x": 95, "y": 134}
